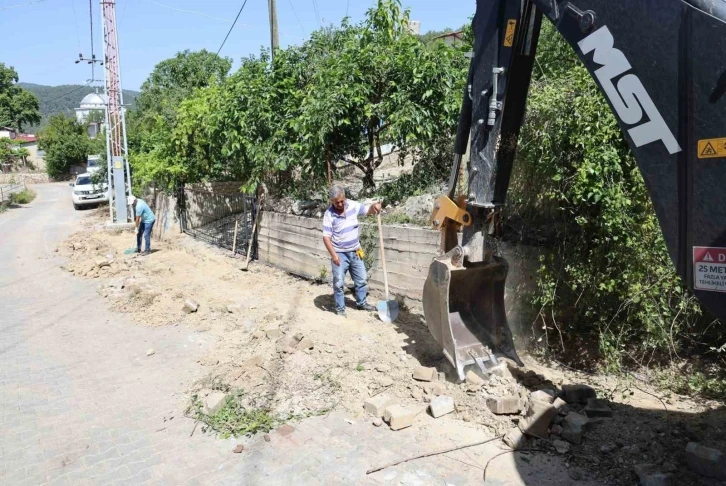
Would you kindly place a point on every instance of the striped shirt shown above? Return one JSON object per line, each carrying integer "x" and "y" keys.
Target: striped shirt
{"x": 343, "y": 228}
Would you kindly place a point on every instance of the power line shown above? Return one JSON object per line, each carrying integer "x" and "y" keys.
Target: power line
{"x": 69, "y": 92}
{"x": 21, "y": 4}
{"x": 75, "y": 22}
{"x": 189, "y": 11}
{"x": 230, "y": 29}
{"x": 317, "y": 13}
{"x": 347, "y": 4}
{"x": 93, "y": 55}
{"x": 298, "y": 18}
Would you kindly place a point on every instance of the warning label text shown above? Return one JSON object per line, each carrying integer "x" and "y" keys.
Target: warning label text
{"x": 709, "y": 268}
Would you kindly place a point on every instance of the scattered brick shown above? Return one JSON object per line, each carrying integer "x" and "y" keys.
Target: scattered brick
{"x": 422, "y": 373}
{"x": 377, "y": 405}
{"x": 441, "y": 406}
{"x": 504, "y": 405}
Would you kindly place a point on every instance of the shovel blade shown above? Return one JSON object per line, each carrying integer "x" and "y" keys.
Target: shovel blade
{"x": 387, "y": 310}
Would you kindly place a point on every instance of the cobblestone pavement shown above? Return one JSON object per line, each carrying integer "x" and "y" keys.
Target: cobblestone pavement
{"x": 81, "y": 403}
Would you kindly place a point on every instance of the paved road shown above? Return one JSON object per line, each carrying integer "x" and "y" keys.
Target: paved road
{"x": 81, "y": 403}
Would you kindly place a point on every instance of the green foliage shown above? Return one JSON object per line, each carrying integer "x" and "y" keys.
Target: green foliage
{"x": 18, "y": 107}
{"x": 12, "y": 151}
{"x": 63, "y": 99}
{"x": 154, "y": 133}
{"x": 342, "y": 94}
{"x": 709, "y": 385}
{"x": 611, "y": 283}
{"x": 233, "y": 419}
{"x": 66, "y": 143}
{"x": 23, "y": 197}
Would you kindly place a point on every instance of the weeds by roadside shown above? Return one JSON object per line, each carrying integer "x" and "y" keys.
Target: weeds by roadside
{"x": 233, "y": 419}
{"x": 23, "y": 197}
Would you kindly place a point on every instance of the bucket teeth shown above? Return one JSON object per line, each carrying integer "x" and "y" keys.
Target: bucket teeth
{"x": 464, "y": 310}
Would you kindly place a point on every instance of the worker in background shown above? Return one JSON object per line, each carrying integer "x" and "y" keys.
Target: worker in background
{"x": 144, "y": 219}
{"x": 340, "y": 236}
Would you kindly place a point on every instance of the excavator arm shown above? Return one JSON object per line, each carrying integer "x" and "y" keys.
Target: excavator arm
{"x": 661, "y": 64}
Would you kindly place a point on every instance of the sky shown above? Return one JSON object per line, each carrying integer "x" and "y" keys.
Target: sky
{"x": 41, "y": 39}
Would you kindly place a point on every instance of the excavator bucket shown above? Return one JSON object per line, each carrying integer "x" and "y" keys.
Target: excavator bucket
{"x": 464, "y": 310}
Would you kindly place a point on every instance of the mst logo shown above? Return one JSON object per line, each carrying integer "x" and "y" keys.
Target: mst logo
{"x": 630, "y": 97}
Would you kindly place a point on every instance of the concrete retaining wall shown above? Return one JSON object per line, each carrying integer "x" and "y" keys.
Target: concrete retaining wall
{"x": 294, "y": 244}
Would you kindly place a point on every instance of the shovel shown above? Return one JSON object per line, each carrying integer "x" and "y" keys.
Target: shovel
{"x": 387, "y": 309}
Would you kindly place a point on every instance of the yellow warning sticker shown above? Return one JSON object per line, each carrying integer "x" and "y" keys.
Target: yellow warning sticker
{"x": 118, "y": 164}
{"x": 509, "y": 34}
{"x": 712, "y": 148}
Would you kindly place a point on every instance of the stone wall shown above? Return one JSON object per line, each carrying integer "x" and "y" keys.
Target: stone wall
{"x": 26, "y": 177}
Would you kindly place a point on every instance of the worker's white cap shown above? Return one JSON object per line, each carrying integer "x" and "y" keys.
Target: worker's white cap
{"x": 130, "y": 200}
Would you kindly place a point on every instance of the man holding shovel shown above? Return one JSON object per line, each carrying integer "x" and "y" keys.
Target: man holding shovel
{"x": 144, "y": 219}
{"x": 340, "y": 236}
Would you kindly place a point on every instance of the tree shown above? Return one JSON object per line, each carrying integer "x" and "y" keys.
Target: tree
{"x": 17, "y": 105}
{"x": 383, "y": 85}
{"x": 66, "y": 143}
{"x": 175, "y": 79}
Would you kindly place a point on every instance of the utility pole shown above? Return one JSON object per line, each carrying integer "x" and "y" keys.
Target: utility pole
{"x": 274, "y": 36}
{"x": 119, "y": 175}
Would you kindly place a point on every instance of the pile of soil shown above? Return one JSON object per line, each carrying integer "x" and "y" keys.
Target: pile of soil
{"x": 278, "y": 340}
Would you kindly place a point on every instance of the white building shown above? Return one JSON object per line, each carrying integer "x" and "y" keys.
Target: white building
{"x": 92, "y": 102}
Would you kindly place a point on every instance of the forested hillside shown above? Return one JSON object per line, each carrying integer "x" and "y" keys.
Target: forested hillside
{"x": 63, "y": 99}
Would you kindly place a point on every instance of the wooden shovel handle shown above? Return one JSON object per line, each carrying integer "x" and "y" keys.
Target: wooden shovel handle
{"x": 383, "y": 255}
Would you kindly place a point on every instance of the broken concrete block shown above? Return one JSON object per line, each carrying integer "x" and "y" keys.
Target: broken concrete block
{"x": 515, "y": 439}
{"x": 706, "y": 461}
{"x": 213, "y": 403}
{"x": 273, "y": 333}
{"x": 501, "y": 370}
{"x": 561, "y": 406}
{"x": 285, "y": 430}
{"x": 377, "y": 405}
{"x": 504, "y": 405}
{"x": 537, "y": 420}
{"x": 234, "y": 308}
{"x": 149, "y": 352}
{"x": 102, "y": 262}
{"x": 305, "y": 343}
{"x": 440, "y": 406}
{"x": 189, "y": 306}
{"x": 422, "y": 373}
{"x": 399, "y": 417}
{"x": 474, "y": 379}
{"x": 298, "y": 337}
{"x": 561, "y": 446}
{"x": 577, "y": 393}
{"x": 542, "y": 396}
{"x": 573, "y": 427}
{"x": 438, "y": 389}
{"x": 377, "y": 422}
{"x": 597, "y": 408}
{"x": 649, "y": 475}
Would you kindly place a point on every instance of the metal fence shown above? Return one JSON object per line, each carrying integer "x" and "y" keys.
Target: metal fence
{"x": 210, "y": 212}
{"x": 6, "y": 190}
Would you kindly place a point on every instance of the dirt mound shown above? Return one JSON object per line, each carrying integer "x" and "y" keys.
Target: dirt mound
{"x": 278, "y": 342}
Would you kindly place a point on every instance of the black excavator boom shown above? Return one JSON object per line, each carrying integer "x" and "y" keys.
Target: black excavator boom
{"x": 661, "y": 64}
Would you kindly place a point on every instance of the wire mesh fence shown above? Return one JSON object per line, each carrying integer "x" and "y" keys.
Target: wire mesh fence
{"x": 210, "y": 212}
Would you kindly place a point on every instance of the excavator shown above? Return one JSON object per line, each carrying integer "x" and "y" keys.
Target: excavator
{"x": 661, "y": 65}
